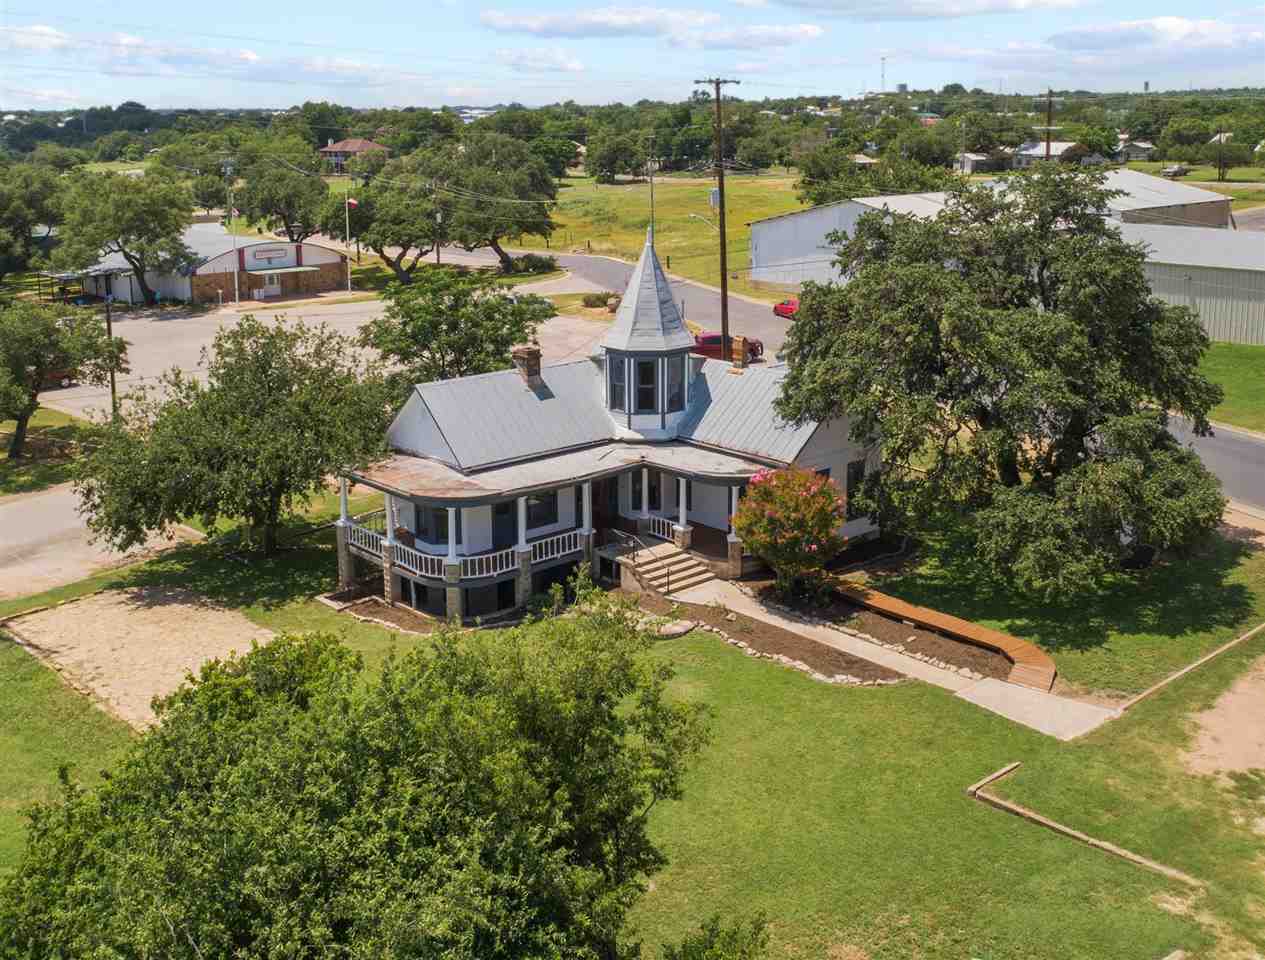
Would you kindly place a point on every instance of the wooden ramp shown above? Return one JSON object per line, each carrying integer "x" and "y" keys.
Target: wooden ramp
{"x": 1030, "y": 666}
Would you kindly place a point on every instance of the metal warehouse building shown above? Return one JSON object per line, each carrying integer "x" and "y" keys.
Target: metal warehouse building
{"x": 791, "y": 248}
{"x": 1220, "y": 273}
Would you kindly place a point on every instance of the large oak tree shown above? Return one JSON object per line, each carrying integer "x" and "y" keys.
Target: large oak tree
{"x": 1012, "y": 363}
{"x": 143, "y": 219}
{"x": 283, "y": 408}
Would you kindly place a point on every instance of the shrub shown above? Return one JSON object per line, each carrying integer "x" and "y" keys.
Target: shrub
{"x": 790, "y": 519}
{"x": 597, "y": 299}
{"x": 535, "y": 263}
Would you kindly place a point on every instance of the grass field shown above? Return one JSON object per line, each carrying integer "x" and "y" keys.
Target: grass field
{"x": 1124, "y": 632}
{"x": 838, "y": 811}
{"x": 1202, "y": 172}
{"x": 48, "y": 460}
{"x": 612, "y": 220}
{"x": 1240, "y": 369}
{"x": 113, "y": 166}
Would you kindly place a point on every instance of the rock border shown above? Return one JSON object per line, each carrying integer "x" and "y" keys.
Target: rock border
{"x": 792, "y": 614}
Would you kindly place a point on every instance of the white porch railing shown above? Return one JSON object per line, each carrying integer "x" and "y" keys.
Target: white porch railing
{"x": 660, "y": 527}
{"x": 365, "y": 539}
{"x": 555, "y": 546}
{"x": 423, "y": 564}
{"x": 488, "y": 564}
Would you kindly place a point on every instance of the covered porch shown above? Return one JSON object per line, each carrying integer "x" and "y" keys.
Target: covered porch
{"x": 463, "y": 546}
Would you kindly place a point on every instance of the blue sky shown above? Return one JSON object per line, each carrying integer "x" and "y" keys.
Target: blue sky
{"x": 372, "y": 53}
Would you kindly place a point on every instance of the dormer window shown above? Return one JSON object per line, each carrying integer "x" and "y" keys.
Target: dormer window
{"x": 615, "y": 365}
{"x": 647, "y": 386}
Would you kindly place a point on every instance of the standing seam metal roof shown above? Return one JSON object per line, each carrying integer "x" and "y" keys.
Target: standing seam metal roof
{"x": 497, "y": 417}
{"x": 648, "y": 318}
{"x": 734, "y": 411}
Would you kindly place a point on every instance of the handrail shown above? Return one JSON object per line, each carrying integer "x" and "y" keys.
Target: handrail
{"x": 555, "y": 546}
{"x": 626, "y": 540}
{"x": 488, "y": 564}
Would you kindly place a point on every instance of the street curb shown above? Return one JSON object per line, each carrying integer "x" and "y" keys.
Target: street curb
{"x": 1256, "y": 512}
{"x": 1238, "y": 431}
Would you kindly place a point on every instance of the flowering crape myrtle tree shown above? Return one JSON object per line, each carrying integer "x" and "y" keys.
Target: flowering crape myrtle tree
{"x": 791, "y": 519}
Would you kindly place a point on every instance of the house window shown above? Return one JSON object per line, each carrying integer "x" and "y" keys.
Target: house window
{"x": 542, "y": 509}
{"x": 646, "y": 386}
{"x": 676, "y": 384}
{"x": 856, "y": 476}
{"x": 616, "y": 368}
{"x": 654, "y": 499}
{"x": 689, "y": 495}
{"x": 432, "y": 524}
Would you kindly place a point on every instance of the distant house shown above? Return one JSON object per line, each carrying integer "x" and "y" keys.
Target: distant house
{"x": 338, "y": 155}
{"x": 972, "y": 163}
{"x": 1026, "y": 154}
{"x": 861, "y": 160}
{"x": 1135, "y": 150}
{"x": 1222, "y": 138}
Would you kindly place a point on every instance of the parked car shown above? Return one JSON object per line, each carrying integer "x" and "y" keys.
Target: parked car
{"x": 707, "y": 344}
{"x": 787, "y": 308}
{"x": 58, "y": 378}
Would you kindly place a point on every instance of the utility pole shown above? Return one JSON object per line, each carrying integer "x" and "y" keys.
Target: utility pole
{"x": 882, "y": 75}
{"x": 1050, "y": 100}
{"x": 109, "y": 333}
{"x": 717, "y": 83}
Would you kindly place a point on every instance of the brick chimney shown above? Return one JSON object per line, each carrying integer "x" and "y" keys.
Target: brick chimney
{"x": 738, "y": 347}
{"x": 526, "y": 357}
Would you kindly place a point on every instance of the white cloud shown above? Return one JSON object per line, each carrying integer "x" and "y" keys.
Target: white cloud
{"x": 1111, "y": 49}
{"x": 540, "y": 59}
{"x": 37, "y": 36}
{"x": 926, "y": 9}
{"x": 39, "y": 97}
{"x": 601, "y": 22}
{"x": 759, "y": 37}
{"x": 752, "y": 3}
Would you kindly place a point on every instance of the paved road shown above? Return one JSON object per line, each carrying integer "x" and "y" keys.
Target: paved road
{"x": 46, "y": 544}
{"x": 1235, "y": 456}
{"x": 1253, "y": 218}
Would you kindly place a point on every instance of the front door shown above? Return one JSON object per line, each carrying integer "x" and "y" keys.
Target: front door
{"x": 272, "y": 284}
{"x": 605, "y": 502}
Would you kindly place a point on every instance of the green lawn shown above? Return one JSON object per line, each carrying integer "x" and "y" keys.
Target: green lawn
{"x": 113, "y": 166}
{"x": 612, "y": 220}
{"x": 1126, "y": 632}
{"x": 1240, "y": 369}
{"x": 839, "y": 811}
{"x": 48, "y": 461}
{"x": 44, "y": 724}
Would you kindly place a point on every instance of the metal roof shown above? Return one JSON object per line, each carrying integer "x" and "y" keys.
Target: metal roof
{"x": 497, "y": 417}
{"x": 206, "y": 240}
{"x": 734, "y": 411}
{"x": 1036, "y": 148}
{"x": 648, "y": 319}
{"x": 1141, "y": 191}
{"x": 1198, "y": 246}
{"x": 918, "y": 204}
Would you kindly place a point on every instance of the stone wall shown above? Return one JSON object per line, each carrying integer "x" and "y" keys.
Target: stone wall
{"x": 207, "y": 287}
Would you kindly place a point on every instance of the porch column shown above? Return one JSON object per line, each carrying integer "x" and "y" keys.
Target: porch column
{"x": 586, "y": 530}
{"x": 645, "y": 491}
{"x": 452, "y": 534}
{"x": 733, "y": 559}
{"x": 681, "y": 533}
{"x": 392, "y": 591}
{"x": 522, "y": 583}
{"x": 346, "y": 565}
{"x": 453, "y": 597}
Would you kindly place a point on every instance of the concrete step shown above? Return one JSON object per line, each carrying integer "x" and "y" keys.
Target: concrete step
{"x": 672, "y": 563}
{"x": 676, "y": 574}
{"x": 684, "y": 583}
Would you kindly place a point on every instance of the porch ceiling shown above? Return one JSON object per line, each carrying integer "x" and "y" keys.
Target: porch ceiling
{"x": 424, "y": 479}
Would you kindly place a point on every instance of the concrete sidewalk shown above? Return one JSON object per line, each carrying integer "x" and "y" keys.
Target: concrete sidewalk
{"x": 1056, "y": 716}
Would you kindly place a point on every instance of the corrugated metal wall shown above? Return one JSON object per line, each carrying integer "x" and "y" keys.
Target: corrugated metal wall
{"x": 1231, "y": 303}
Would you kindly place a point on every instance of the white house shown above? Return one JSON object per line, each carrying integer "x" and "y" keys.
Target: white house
{"x": 1135, "y": 150}
{"x": 499, "y": 484}
{"x": 1026, "y": 154}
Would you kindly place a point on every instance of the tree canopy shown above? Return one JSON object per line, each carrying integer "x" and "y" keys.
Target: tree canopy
{"x": 829, "y": 175}
{"x": 284, "y": 408}
{"x": 1010, "y": 359}
{"x": 398, "y": 215}
{"x": 283, "y": 187}
{"x": 39, "y": 344}
{"x": 451, "y": 324}
{"x": 141, "y": 218}
{"x": 28, "y": 208}
{"x": 483, "y": 798}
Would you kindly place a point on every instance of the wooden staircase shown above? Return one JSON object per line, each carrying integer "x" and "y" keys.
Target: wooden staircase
{"x": 666, "y": 568}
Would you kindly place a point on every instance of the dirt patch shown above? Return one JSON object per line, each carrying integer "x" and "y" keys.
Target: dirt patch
{"x": 766, "y": 638}
{"x": 125, "y": 647}
{"x": 1231, "y": 737}
{"x": 887, "y": 630}
{"x": 404, "y": 618}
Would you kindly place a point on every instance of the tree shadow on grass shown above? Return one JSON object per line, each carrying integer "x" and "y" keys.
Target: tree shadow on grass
{"x": 1182, "y": 595}
{"x": 222, "y": 573}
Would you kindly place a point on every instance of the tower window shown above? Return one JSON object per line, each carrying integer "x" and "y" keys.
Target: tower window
{"x": 646, "y": 386}
{"x": 615, "y": 365}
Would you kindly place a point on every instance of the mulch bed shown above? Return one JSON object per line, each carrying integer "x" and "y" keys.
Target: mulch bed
{"x": 769, "y": 639}
{"x": 887, "y": 630}
{"x": 402, "y": 617}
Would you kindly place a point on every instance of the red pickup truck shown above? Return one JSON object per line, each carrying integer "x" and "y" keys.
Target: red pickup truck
{"x": 707, "y": 344}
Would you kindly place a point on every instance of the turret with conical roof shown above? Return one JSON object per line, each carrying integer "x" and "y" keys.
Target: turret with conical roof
{"x": 648, "y": 320}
